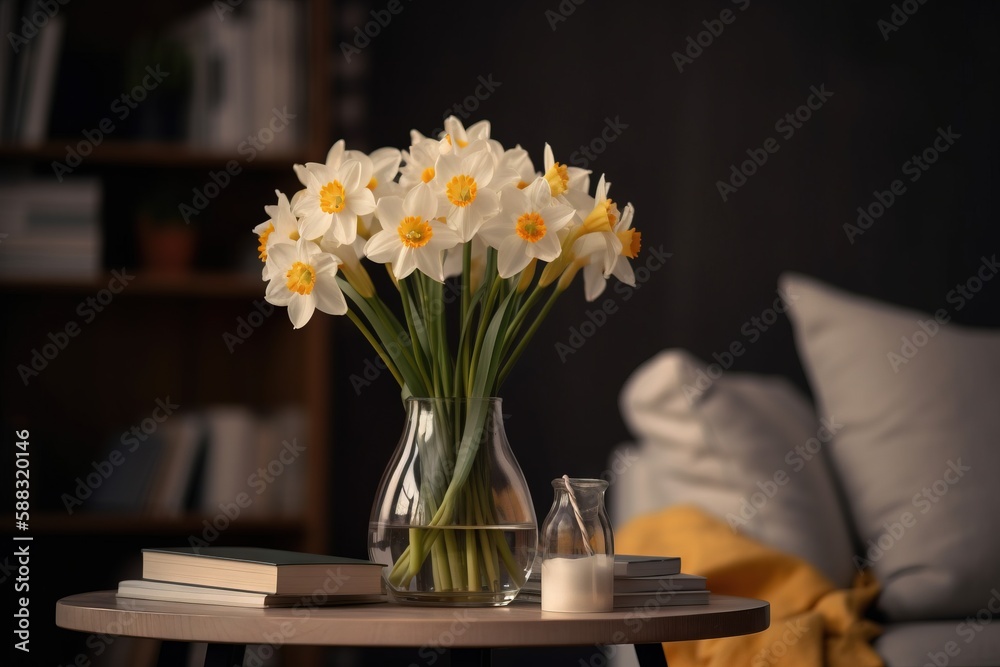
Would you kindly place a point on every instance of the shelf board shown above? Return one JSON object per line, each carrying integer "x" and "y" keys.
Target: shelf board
{"x": 192, "y": 284}
{"x": 153, "y": 154}
{"x": 59, "y": 523}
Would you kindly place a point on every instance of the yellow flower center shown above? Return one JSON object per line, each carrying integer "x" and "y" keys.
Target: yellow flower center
{"x": 301, "y": 278}
{"x": 428, "y": 175}
{"x": 631, "y": 241}
{"x": 558, "y": 178}
{"x": 414, "y": 232}
{"x": 262, "y": 238}
{"x": 294, "y": 235}
{"x": 372, "y": 184}
{"x": 331, "y": 197}
{"x": 531, "y": 227}
{"x": 461, "y": 190}
{"x": 601, "y": 219}
{"x": 522, "y": 185}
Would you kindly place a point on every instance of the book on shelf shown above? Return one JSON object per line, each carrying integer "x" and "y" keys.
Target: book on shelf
{"x": 53, "y": 229}
{"x": 143, "y": 589}
{"x": 646, "y": 566}
{"x": 262, "y": 570}
{"x": 28, "y": 70}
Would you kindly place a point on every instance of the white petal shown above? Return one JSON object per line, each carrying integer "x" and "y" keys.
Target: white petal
{"x": 360, "y": 202}
{"x": 539, "y": 194}
{"x": 546, "y": 248}
{"x": 314, "y": 223}
{"x": 511, "y": 257}
{"x": 494, "y": 231}
{"x": 344, "y": 227}
{"x": 444, "y": 237}
{"x": 350, "y": 172}
{"x": 335, "y": 156}
{"x": 383, "y": 247}
{"x": 549, "y": 158}
{"x": 301, "y": 309}
{"x": 390, "y": 211}
{"x": 515, "y": 201}
{"x": 329, "y": 298}
{"x": 593, "y": 281}
{"x": 421, "y": 201}
{"x": 446, "y": 168}
{"x": 623, "y": 271}
{"x": 556, "y": 217}
{"x": 429, "y": 262}
{"x": 480, "y": 167}
{"x": 405, "y": 264}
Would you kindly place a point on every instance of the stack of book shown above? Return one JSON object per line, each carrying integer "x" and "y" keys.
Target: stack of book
{"x": 52, "y": 229}
{"x": 253, "y": 577}
{"x": 640, "y": 581}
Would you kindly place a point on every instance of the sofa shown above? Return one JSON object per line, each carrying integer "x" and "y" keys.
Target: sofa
{"x": 893, "y": 467}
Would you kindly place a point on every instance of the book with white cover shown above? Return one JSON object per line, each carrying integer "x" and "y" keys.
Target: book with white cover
{"x": 143, "y": 589}
{"x": 230, "y": 459}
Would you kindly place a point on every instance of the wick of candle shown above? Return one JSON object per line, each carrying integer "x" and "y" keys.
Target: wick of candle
{"x": 579, "y": 517}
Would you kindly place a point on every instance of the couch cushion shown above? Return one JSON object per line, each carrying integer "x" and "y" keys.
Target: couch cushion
{"x": 969, "y": 643}
{"x": 918, "y": 457}
{"x": 746, "y": 448}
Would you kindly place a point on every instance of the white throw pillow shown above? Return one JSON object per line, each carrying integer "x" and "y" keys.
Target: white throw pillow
{"x": 746, "y": 448}
{"x": 918, "y": 456}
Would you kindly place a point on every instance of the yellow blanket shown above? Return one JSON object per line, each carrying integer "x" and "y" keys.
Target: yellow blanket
{"x": 812, "y": 623}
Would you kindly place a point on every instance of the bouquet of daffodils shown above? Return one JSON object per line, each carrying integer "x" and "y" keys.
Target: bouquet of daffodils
{"x": 458, "y": 220}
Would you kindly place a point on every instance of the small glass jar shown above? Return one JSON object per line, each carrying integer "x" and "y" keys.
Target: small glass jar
{"x": 578, "y": 553}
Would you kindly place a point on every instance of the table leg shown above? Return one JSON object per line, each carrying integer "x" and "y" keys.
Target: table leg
{"x": 651, "y": 655}
{"x": 471, "y": 657}
{"x": 225, "y": 655}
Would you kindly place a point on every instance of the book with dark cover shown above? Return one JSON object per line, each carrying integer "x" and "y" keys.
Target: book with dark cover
{"x": 646, "y": 566}
{"x": 262, "y": 570}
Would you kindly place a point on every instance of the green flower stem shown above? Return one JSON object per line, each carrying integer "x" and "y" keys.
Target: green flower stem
{"x": 481, "y": 333}
{"x": 519, "y": 350}
{"x": 414, "y": 340}
{"x": 521, "y": 315}
{"x": 370, "y": 337}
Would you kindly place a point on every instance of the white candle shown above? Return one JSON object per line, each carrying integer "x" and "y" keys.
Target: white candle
{"x": 578, "y": 584}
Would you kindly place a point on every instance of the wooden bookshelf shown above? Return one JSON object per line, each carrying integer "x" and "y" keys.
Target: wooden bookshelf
{"x": 162, "y": 334}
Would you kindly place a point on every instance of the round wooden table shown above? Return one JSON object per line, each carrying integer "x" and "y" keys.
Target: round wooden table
{"x": 385, "y": 625}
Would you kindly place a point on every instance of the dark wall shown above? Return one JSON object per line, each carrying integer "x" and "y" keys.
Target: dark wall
{"x": 681, "y": 132}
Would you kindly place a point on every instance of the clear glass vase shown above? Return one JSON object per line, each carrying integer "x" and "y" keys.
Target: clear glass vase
{"x": 453, "y": 519}
{"x": 578, "y": 549}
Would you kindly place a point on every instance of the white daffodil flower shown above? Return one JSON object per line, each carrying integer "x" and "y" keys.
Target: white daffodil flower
{"x": 562, "y": 178}
{"x": 280, "y": 227}
{"x": 462, "y": 186}
{"x": 599, "y": 223}
{"x": 594, "y": 276}
{"x": 411, "y": 237}
{"x": 419, "y": 162}
{"x": 527, "y": 227}
{"x": 333, "y": 200}
{"x": 304, "y": 279}
{"x": 461, "y": 138}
